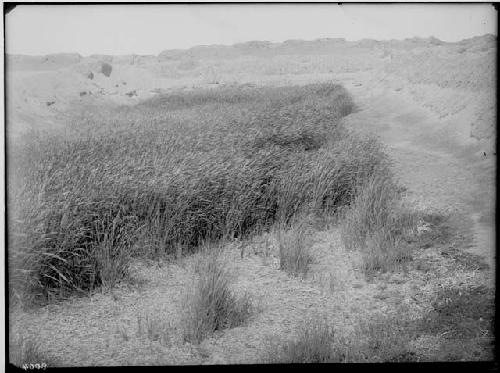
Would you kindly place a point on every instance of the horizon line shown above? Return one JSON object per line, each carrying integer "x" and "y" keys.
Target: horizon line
{"x": 251, "y": 41}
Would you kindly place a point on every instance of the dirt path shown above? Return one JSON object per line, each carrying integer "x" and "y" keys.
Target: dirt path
{"x": 442, "y": 175}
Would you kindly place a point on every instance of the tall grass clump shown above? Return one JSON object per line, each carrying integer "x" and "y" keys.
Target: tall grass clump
{"x": 212, "y": 306}
{"x": 315, "y": 343}
{"x": 64, "y": 239}
{"x": 294, "y": 249}
{"x": 174, "y": 172}
{"x": 378, "y": 223}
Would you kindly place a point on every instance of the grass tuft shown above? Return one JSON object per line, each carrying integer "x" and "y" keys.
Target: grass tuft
{"x": 294, "y": 249}
{"x": 213, "y": 306}
{"x": 379, "y": 224}
{"x": 314, "y": 344}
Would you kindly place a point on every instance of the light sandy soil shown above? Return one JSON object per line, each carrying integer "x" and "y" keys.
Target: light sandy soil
{"x": 443, "y": 169}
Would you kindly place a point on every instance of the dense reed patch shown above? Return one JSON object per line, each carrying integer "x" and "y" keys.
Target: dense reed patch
{"x": 173, "y": 172}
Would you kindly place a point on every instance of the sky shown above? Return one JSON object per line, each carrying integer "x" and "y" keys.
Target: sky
{"x": 150, "y": 29}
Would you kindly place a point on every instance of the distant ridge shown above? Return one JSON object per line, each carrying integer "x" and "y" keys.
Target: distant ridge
{"x": 287, "y": 47}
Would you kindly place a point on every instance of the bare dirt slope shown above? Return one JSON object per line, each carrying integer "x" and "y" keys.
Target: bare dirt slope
{"x": 443, "y": 174}
{"x": 454, "y": 80}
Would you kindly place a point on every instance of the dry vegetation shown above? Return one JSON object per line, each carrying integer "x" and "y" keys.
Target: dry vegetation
{"x": 382, "y": 339}
{"x": 379, "y": 224}
{"x": 190, "y": 171}
{"x": 465, "y": 324}
{"x": 314, "y": 344}
{"x": 212, "y": 306}
{"x": 294, "y": 248}
{"x": 25, "y": 352}
{"x": 173, "y": 172}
